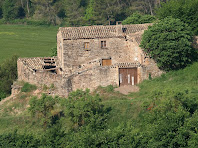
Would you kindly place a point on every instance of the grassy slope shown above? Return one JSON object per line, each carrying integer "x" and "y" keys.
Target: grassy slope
{"x": 178, "y": 81}
{"x": 123, "y": 108}
{"x": 29, "y": 41}
{"x": 26, "y": 41}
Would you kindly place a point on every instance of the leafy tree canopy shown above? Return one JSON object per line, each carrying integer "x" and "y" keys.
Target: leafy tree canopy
{"x": 9, "y": 10}
{"x": 168, "y": 42}
{"x": 185, "y": 10}
{"x": 137, "y": 18}
{"x": 8, "y": 73}
{"x": 84, "y": 109}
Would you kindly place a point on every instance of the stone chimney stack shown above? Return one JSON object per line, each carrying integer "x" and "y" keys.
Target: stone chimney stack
{"x": 119, "y": 28}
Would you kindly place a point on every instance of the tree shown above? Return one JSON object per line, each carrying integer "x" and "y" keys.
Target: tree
{"x": 42, "y": 108}
{"x": 8, "y": 73}
{"x": 74, "y": 12}
{"x": 109, "y": 11}
{"x": 1, "y": 13}
{"x": 168, "y": 42}
{"x": 9, "y": 10}
{"x": 90, "y": 14}
{"x": 137, "y": 18}
{"x": 44, "y": 10}
{"x": 185, "y": 10}
{"x": 84, "y": 109}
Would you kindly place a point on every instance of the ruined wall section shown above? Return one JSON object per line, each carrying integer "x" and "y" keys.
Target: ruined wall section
{"x": 40, "y": 77}
{"x": 60, "y": 48}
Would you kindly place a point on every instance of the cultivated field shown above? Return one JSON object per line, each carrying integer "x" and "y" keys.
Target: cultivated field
{"x": 26, "y": 41}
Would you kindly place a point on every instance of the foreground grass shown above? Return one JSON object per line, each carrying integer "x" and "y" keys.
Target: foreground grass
{"x": 26, "y": 41}
{"x": 122, "y": 108}
{"x": 178, "y": 81}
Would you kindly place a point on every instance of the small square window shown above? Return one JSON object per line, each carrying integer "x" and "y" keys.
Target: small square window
{"x": 103, "y": 44}
{"x": 86, "y": 45}
{"x": 106, "y": 62}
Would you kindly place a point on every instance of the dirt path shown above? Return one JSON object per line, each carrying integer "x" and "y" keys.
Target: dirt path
{"x": 127, "y": 89}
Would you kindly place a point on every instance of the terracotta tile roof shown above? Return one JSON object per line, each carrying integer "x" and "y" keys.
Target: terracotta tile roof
{"x": 136, "y": 37}
{"x": 35, "y": 63}
{"x": 87, "y": 32}
{"x": 136, "y": 27}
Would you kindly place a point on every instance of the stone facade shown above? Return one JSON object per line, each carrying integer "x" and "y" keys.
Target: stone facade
{"x": 90, "y": 56}
{"x": 195, "y": 42}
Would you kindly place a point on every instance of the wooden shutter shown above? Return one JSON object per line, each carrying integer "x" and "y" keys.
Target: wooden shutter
{"x": 106, "y": 62}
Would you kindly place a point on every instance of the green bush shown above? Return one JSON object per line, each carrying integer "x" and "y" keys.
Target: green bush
{"x": 28, "y": 87}
{"x": 185, "y": 10}
{"x": 110, "y": 88}
{"x": 84, "y": 109}
{"x": 8, "y": 74}
{"x": 41, "y": 109}
{"x": 18, "y": 140}
{"x": 54, "y": 51}
{"x": 137, "y": 18}
{"x": 25, "y": 22}
{"x": 168, "y": 42}
{"x": 9, "y": 10}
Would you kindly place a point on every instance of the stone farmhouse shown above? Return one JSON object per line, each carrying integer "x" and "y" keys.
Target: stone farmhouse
{"x": 91, "y": 56}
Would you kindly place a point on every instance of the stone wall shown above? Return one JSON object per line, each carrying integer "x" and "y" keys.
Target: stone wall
{"x": 40, "y": 78}
{"x": 118, "y": 49}
{"x": 81, "y": 68}
{"x": 100, "y": 76}
{"x": 195, "y": 42}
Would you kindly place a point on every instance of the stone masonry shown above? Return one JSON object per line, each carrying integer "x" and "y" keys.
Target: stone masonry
{"x": 92, "y": 56}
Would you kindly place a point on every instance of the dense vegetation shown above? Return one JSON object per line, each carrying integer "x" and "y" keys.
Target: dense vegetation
{"x": 137, "y": 18}
{"x": 169, "y": 43}
{"x": 185, "y": 10}
{"x": 8, "y": 73}
{"x": 162, "y": 114}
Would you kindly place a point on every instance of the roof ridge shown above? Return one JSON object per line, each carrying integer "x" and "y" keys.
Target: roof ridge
{"x": 101, "y": 31}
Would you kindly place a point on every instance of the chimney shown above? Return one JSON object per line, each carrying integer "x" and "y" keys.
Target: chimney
{"x": 119, "y": 28}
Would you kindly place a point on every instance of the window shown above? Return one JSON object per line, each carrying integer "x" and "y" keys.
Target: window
{"x": 124, "y": 30}
{"x": 106, "y": 62}
{"x": 103, "y": 44}
{"x": 86, "y": 45}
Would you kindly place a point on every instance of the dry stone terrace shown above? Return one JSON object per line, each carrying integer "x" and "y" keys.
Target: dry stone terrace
{"x": 92, "y": 56}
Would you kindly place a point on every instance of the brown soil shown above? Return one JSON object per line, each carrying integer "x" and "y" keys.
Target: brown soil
{"x": 127, "y": 89}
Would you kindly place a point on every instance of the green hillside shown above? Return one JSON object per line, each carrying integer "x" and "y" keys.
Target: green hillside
{"x": 181, "y": 80}
{"x": 26, "y": 41}
{"x": 162, "y": 114}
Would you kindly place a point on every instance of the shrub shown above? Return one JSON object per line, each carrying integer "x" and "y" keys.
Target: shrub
{"x": 41, "y": 109}
{"x": 54, "y": 51}
{"x": 28, "y": 87}
{"x": 168, "y": 42}
{"x": 185, "y": 10}
{"x": 8, "y": 73}
{"x": 17, "y": 140}
{"x": 84, "y": 109}
{"x": 137, "y": 18}
{"x": 9, "y": 10}
{"x": 110, "y": 88}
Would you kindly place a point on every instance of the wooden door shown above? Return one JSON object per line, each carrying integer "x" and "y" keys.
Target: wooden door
{"x": 127, "y": 76}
